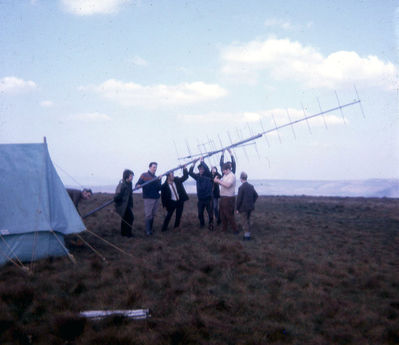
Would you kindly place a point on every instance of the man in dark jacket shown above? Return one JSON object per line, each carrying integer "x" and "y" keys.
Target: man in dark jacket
{"x": 173, "y": 196}
{"x": 150, "y": 195}
{"x": 124, "y": 202}
{"x": 204, "y": 192}
{"x": 76, "y": 195}
{"x": 246, "y": 199}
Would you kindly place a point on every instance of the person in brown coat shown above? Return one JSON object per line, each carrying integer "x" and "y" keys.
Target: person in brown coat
{"x": 246, "y": 199}
{"x": 76, "y": 195}
{"x": 124, "y": 202}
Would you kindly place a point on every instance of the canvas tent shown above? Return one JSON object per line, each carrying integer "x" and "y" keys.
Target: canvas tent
{"x": 36, "y": 211}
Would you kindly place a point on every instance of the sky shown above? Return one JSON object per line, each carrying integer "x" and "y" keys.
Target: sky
{"x": 116, "y": 84}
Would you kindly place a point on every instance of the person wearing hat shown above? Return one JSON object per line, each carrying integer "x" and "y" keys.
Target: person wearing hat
{"x": 204, "y": 192}
{"x": 124, "y": 202}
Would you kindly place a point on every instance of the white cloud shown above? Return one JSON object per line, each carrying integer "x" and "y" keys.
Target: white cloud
{"x": 283, "y": 24}
{"x": 208, "y": 118}
{"x": 14, "y": 85}
{"x": 286, "y": 25}
{"x": 90, "y": 117}
{"x": 287, "y": 60}
{"x": 47, "y": 104}
{"x": 132, "y": 94}
{"x": 139, "y": 61}
{"x": 251, "y": 117}
{"x": 90, "y": 7}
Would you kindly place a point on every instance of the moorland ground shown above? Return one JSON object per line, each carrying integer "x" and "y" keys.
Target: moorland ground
{"x": 318, "y": 271}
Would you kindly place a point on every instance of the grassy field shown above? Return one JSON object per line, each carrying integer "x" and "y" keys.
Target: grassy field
{"x": 318, "y": 271}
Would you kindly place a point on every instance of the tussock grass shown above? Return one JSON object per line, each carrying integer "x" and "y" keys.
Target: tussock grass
{"x": 318, "y": 271}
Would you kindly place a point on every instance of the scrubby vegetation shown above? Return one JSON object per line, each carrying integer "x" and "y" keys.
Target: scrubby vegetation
{"x": 318, "y": 271}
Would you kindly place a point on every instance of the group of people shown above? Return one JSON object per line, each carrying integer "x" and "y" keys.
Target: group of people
{"x": 215, "y": 193}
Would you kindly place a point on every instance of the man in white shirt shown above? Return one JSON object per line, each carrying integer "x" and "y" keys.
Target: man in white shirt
{"x": 173, "y": 196}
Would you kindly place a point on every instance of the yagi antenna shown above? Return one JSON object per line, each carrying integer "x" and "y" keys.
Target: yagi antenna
{"x": 232, "y": 146}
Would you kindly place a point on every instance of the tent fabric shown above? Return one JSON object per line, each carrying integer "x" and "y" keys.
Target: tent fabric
{"x": 33, "y": 198}
{"x": 31, "y": 247}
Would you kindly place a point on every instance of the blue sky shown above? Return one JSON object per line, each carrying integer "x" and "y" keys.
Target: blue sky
{"x": 115, "y": 84}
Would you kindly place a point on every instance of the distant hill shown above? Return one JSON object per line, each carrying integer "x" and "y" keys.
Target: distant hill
{"x": 345, "y": 188}
{"x": 372, "y": 188}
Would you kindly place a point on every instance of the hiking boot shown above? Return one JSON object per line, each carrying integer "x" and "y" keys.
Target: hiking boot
{"x": 210, "y": 226}
{"x": 148, "y": 227}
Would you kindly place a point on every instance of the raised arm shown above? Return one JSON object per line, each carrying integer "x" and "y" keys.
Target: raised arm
{"x": 191, "y": 172}
{"x": 185, "y": 174}
{"x": 233, "y": 164}
{"x": 221, "y": 161}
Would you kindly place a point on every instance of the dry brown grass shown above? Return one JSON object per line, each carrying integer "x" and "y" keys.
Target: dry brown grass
{"x": 319, "y": 271}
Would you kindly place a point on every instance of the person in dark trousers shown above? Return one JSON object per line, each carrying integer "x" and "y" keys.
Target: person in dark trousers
{"x": 124, "y": 202}
{"x": 150, "y": 195}
{"x": 76, "y": 195}
{"x": 173, "y": 196}
{"x": 246, "y": 199}
{"x": 204, "y": 192}
{"x": 215, "y": 195}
